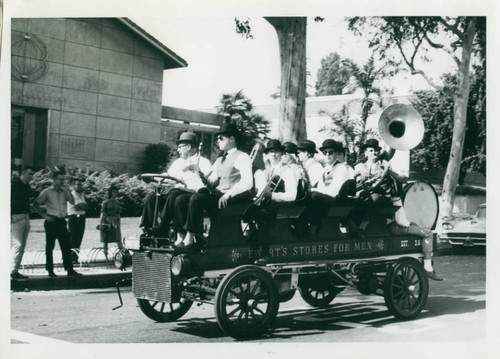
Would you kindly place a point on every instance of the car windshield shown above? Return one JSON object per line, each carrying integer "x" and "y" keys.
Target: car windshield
{"x": 481, "y": 212}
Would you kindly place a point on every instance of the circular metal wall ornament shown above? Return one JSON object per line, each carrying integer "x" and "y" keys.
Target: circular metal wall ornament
{"x": 29, "y": 55}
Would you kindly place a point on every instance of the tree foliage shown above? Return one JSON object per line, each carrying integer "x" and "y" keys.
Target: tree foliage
{"x": 238, "y": 108}
{"x": 351, "y": 129}
{"x": 333, "y": 76}
{"x": 462, "y": 38}
{"x": 155, "y": 158}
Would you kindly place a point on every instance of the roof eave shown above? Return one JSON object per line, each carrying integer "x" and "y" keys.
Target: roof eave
{"x": 175, "y": 61}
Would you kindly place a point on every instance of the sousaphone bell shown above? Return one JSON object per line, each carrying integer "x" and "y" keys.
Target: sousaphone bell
{"x": 401, "y": 127}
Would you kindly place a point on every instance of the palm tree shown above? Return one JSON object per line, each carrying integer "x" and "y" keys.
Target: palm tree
{"x": 238, "y": 109}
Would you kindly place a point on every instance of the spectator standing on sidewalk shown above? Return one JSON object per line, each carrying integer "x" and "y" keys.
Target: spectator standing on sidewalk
{"x": 54, "y": 198}
{"x": 20, "y": 193}
{"x": 110, "y": 220}
{"x": 76, "y": 221}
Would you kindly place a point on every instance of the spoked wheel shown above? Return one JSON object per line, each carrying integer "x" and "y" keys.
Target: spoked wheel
{"x": 246, "y": 302}
{"x": 287, "y": 296}
{"x": 164, "y": 312}
{"x": 406, "y": 288}
{"x": 321, "y": 293}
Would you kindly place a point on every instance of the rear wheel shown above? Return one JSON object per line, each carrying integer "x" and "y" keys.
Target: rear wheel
{"x": 162, "y": 311}
{"x": 246, "y": 302}
{"x": 318, "y": 291}
{"x": 406, "y": 288}
{"x": 287, "y": 296}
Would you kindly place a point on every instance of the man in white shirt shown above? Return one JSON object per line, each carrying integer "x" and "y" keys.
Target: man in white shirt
{"x": 282, "y": 177}
{"x": 314, "y": 169}
{"x": 186, "y": 169}
{"x": 230, "y": 179}
{"x": 76, "y": 220}
{"x": 335, "y": 175}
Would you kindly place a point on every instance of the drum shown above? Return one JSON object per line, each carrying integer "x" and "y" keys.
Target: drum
{"x": 421, "y": 204}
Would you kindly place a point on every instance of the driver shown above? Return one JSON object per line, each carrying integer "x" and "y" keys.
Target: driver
{"x": 185, "y": 169}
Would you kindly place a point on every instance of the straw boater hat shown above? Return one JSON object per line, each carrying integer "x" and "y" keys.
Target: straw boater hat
{"x": 187, "y": 137}
{"x": 274, "y": 145}
{"x": 308, "y": 146}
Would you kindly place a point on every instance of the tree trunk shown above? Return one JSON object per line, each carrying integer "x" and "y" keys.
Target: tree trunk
{"x": 292, "y": 43}
{"x": 459, "y": 122}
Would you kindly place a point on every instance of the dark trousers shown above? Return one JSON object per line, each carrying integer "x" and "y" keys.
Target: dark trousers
{"x": 165, "y": 208}
{"x": 204, "y": 201}
{"x": 76, "y": 226}
{"x": 57, "y": 229}
{"x": 319, "y": 205}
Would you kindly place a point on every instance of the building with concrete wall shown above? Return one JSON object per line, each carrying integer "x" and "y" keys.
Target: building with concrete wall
{"x": 86, "y": 92}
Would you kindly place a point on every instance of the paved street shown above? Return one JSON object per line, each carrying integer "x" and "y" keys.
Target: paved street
{"x": 455, "y": 312}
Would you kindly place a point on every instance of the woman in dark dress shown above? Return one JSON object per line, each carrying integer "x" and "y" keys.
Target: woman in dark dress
{"x": 110, "y": 220}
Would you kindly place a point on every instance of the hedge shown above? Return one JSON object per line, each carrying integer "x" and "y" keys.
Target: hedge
{"x": 132, "y": 190}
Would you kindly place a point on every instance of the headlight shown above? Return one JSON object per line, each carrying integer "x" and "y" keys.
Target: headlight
{"x": 180, "y": 264}
{"x": 447, "y": 226}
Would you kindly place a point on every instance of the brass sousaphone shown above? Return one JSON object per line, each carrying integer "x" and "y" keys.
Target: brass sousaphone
{"x": 401, "y": 127}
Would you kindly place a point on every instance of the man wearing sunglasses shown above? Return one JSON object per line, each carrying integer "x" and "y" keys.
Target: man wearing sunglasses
{"x": 331, "y": 189}
{"x": 231, "y": 180}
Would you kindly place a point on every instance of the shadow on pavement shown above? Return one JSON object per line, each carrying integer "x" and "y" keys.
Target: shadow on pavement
{"x": 308, "y": 321}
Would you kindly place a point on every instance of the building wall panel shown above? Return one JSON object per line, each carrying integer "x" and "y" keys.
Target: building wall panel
{"x": 50, "y": 27}
{"x": 146, "y": 90}
{"x": 78, "y": 124}
{"x": 113, "y": 84}
{"x": 79, "y": 101}
{"x": 79, "y": 78}
{"x": 82, "y": 55}
{"x": 83, "y": 33}
{"x": 112, "y": 128}
{"x": 116, "y": 62}
{"x": 113, "y": 106}
{"x": 76, "y": 147}
{"x": 111, "y": 151}
{"x": 145, "y": 111}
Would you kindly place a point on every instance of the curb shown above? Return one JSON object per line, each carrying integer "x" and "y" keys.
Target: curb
{"x": 62, "y": 282}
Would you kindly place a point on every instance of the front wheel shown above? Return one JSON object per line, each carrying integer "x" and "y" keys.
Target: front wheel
{"x": 164, "y": 312}
{"x": 406, "y": 288}
{"x": 246, "y": 302}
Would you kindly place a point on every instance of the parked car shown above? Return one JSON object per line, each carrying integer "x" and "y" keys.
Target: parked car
{"x": 466, "y": 232}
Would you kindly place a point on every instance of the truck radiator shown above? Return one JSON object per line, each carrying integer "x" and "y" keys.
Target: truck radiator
{"x": 151, "y": 276}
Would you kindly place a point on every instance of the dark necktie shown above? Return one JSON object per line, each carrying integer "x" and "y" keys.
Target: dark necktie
{"x": 224, "y": 155}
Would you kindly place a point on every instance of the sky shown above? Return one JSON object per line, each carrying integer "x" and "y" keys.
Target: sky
{"x": 222, "y": 61}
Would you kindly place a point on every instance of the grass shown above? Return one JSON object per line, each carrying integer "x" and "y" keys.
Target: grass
{"x": 91, "y": 238}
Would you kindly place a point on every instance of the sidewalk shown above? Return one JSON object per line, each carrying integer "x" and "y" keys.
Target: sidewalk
{"x": 97, "y": 273}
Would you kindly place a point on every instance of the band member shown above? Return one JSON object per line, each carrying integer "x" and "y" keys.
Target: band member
{"x": 370, "y": 165}
{"x": 335, "y": 176}
{"x": 54, "y": 198}
{"x": 279, "y": 181}
{"x": 290, "y": 152}
{"x": 186, "y": 168}
{"x": 314, "y": 169}
{"x": 231, "y": 180}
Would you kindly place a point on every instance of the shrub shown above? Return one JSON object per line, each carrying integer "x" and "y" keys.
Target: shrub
{"x": 155, "y": 158}
{"x": 132, "y": 190}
